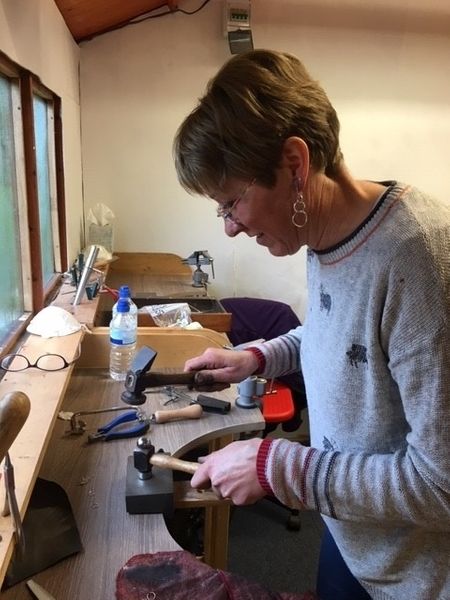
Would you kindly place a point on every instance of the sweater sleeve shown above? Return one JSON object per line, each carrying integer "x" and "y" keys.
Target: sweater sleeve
{"x": 327, "y": 481}
{"x": 282, "y": 354}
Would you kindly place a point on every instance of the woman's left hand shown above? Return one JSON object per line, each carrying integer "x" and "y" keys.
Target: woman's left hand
{"x": 231, "y": 472}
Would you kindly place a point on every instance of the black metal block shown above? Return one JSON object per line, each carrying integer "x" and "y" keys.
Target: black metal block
{"x": 149, "y": 496}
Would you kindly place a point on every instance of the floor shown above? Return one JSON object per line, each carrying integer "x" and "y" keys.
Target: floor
{"x": 263, "y": 549}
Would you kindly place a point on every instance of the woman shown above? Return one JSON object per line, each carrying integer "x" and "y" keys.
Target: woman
{"x": 374, "y": 347}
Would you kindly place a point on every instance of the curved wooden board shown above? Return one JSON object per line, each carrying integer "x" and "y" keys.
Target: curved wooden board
{"x": 174, "y": 346}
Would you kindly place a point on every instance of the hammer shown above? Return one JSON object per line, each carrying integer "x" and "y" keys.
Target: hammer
{"x": 138, "y": 379}
{"x": 149, "y": 488}
{"x": 14, "y": 410}
{"x": 145, "y": 458}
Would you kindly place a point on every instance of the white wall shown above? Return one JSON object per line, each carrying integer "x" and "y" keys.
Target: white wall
{"x": 34, "y": 35}
{"x": 385, "y": 69}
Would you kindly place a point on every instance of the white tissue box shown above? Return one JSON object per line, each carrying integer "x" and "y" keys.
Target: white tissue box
{"x": 101, "y": 235}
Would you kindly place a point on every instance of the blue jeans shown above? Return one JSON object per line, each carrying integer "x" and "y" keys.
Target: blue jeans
{"x": 334, "y": 580}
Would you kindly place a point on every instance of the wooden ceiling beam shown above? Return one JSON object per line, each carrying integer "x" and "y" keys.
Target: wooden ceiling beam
{"x": 88, "y": 18}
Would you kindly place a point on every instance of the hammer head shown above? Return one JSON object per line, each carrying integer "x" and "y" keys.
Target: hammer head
{"x": 138, "y": 379}
{"x": 149, "y": 489}
{"x": 134, "y": 381}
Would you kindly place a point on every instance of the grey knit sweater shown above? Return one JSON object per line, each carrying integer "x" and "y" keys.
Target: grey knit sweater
{"x": 375, "y": 355}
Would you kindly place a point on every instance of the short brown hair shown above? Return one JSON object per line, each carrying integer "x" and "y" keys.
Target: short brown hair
{"x": 255, "y": 102}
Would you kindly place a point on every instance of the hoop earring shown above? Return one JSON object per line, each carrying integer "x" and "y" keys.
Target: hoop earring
{"x": 299, "y": 206}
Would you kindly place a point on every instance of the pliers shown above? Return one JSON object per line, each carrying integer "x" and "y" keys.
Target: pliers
{"x": 113, "y": 431}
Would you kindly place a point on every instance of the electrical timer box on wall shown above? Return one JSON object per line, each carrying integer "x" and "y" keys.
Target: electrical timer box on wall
{"x": 236, "y": 15}
{"x": 236, "y": 25}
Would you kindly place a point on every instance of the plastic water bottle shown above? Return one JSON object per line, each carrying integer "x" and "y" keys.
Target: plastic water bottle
{"x": 122, "y": 337}
{"x": 124, "y": 292}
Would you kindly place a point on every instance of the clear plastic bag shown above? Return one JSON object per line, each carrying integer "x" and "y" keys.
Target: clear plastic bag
{"x": 169, "y": 315}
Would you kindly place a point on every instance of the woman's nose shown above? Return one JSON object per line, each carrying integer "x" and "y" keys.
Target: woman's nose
{"x": 232, "y": 229}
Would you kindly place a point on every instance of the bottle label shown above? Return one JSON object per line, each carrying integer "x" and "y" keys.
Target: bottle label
{"x": 122, "y": 337}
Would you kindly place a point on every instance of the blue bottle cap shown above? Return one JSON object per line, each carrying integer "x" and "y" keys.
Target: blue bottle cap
{"x": 124, "y": 292}
{"x": 123, "y": 305}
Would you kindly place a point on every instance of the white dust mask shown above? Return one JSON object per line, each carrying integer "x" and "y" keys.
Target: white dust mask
{"x": 53, "y": 321}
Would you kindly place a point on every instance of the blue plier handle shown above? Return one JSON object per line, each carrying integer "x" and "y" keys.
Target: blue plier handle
{"x": 109, "y": 432}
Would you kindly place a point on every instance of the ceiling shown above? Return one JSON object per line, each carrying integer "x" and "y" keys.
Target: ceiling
{"x": 88, "y": 18}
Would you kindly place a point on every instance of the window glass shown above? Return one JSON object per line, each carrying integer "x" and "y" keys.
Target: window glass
{"x": 45, "y": 173}
{"x": 32, "y": 220}
{"x": 11, "y": 289}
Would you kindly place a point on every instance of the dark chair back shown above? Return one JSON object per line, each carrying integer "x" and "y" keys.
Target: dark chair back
{"x": 254, "y": 318}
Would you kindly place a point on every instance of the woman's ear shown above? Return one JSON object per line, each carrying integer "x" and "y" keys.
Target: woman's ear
{"x": 295, "y": 157}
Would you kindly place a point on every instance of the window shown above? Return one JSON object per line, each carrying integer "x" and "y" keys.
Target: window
{"x": 12, "y": 288}
{"x": 46, "y": 184}
{"x": 32, "y": 221}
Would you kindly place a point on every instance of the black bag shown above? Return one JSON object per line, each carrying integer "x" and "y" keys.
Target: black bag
{"x": 51, "y": 533}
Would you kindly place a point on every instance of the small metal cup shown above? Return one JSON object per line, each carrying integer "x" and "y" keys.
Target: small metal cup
{"x": 250, "y": 390}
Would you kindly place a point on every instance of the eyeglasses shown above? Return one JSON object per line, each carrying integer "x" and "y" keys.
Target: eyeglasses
{"x": 226, "y": 210}
{"x": 46, "y": 362}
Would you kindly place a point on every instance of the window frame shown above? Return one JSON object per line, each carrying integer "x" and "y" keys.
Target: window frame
{"x": 35, "y": 294}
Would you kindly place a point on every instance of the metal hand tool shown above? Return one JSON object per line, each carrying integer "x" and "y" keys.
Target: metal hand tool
{"x": 149, "y": 487}
{"x": 77, "y": 426}
{"x": 138, "y": 379}
{"x": 11, "y": 507}
{"x": 38, "y": 591}
{"x": 194, "y": 411}
{"x": 14, "y": 410}
{"x": 113, "y": 431}
{"x": 175, "y": 394}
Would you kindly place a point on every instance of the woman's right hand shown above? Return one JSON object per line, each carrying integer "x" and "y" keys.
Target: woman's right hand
{"x": 224, "y": 366}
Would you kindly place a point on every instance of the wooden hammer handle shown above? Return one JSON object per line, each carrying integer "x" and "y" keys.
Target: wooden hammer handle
{"x": 166, "y": 461}
{"x": 193, "y": 411}
{"x": 14, "y": 410}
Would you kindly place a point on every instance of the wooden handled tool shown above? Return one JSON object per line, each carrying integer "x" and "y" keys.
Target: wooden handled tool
{"x": 193, "y": 411}
{"x": 154, "y": 379}
{"x": 14, "y": 410}
{"x": 149, "y": 486}
{"x": 166, "y": 461}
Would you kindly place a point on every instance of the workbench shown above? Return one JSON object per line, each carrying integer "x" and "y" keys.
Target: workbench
{"x": 156, "y": 273}
{"x": 94, "y": 475}
{"x": 160, "y": 278}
